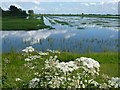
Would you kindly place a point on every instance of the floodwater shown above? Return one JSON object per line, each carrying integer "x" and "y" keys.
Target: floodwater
{"x": 71, "y": 34}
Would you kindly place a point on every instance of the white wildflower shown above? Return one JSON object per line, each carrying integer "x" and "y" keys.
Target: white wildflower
{"x": 89, "y": 65}
{"x": 114, "y": 82}
{"x": 53, "y": 51}
{"x": 67, "y": 66}
{"x": 34, "y": 82}
{"x": 17, "y": 79}
{"x": 36, "y": 73}
{"x": 32, "y": 67}
{"x": 34, "y": 57}
{"x": 27, "y": 59}
{"x": 28, "y": 49}
{"x": 42, "y": 53}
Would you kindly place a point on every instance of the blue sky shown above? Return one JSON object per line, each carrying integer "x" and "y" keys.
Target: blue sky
{"x": 60, "y": 0}
{"x": 65, "y": 7}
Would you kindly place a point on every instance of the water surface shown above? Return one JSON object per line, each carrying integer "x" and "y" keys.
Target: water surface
{"x": 71, "y": 34}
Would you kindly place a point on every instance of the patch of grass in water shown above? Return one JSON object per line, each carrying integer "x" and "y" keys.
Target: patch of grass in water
{"x": 83, "y": 23}
{"x": 80, "y": 28}
{"x": 50, "y": 21}
{"x": 110, "y": 26}
{"x": 116, "y": 26}
{"x": 62, "y": 22}
{"x": 71, "y": 25}
{"x": 99, "y": 22}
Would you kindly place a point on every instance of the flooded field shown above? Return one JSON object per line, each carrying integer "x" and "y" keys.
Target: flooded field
{"x": 71, "y": 34}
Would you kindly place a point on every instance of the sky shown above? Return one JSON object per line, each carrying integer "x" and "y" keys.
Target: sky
{"x": 65, "y": 6}
{"x": 60, "y": 0}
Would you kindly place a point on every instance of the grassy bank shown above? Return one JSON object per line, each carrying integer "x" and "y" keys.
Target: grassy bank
{"x": 15, "y": 67}
{"x": 23, "y": 24}
{"x": 84, "y": 15}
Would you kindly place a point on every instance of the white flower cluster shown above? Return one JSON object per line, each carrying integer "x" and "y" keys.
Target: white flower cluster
{"x": 51, "y": 62}
{"x": 28, "y": 49}
{"x": 89, "y": 65}
{"x": 31, "y": 58}
{"x": 53, "y": 51}
{"x": 61, "y": 74}
{"x": 67, "y": 66}
{"x": 43, "y": 53}
{"x": 34, "y": 82}
{"x": 114, "y": 82}
{"x": 55, "y": 82}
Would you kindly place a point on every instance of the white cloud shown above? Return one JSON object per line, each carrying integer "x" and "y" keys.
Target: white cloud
{"x": 114, "y": 1}
{"x": 102, "y": 3}
{"x": 4, "y": 8}
{"x": 36, "y": 2}
{"x": 84, "y": 4}
{"x": 38, "y": 8}
{"x": 88, "y": 4}
{"x": 92, "y": 3}
{"x": 110, "y": 2}
{"x": 32, "y": 36}
{"x": 113, "y": 8}
{"x": 60, "y": 0}
{"x": 68, "y": 35}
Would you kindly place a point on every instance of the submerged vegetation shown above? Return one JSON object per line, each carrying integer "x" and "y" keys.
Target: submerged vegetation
{"x": 61, "y": 22}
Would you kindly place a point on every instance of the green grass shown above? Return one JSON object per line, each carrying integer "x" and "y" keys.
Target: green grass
{"x": 80, "y": 28}
{"x": 51, "y": 21}
{"x": 110, "y": 26}
{"x": 23, "y": 24}
{"x": 100, "y": 22}
{"x": 16, "y": 68}
{"x": 61, "y": 22}
{"x": 84, "y": 15}
{"x": 83, "y": 23}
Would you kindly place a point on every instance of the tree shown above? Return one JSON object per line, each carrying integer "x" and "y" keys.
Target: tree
{"x": 1, "y": 11}
{"x": 14, "y": 9}
{"x": 30, "y": 12}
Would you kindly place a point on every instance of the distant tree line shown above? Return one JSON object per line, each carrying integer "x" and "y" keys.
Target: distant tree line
{"x": 14, "y": 11}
